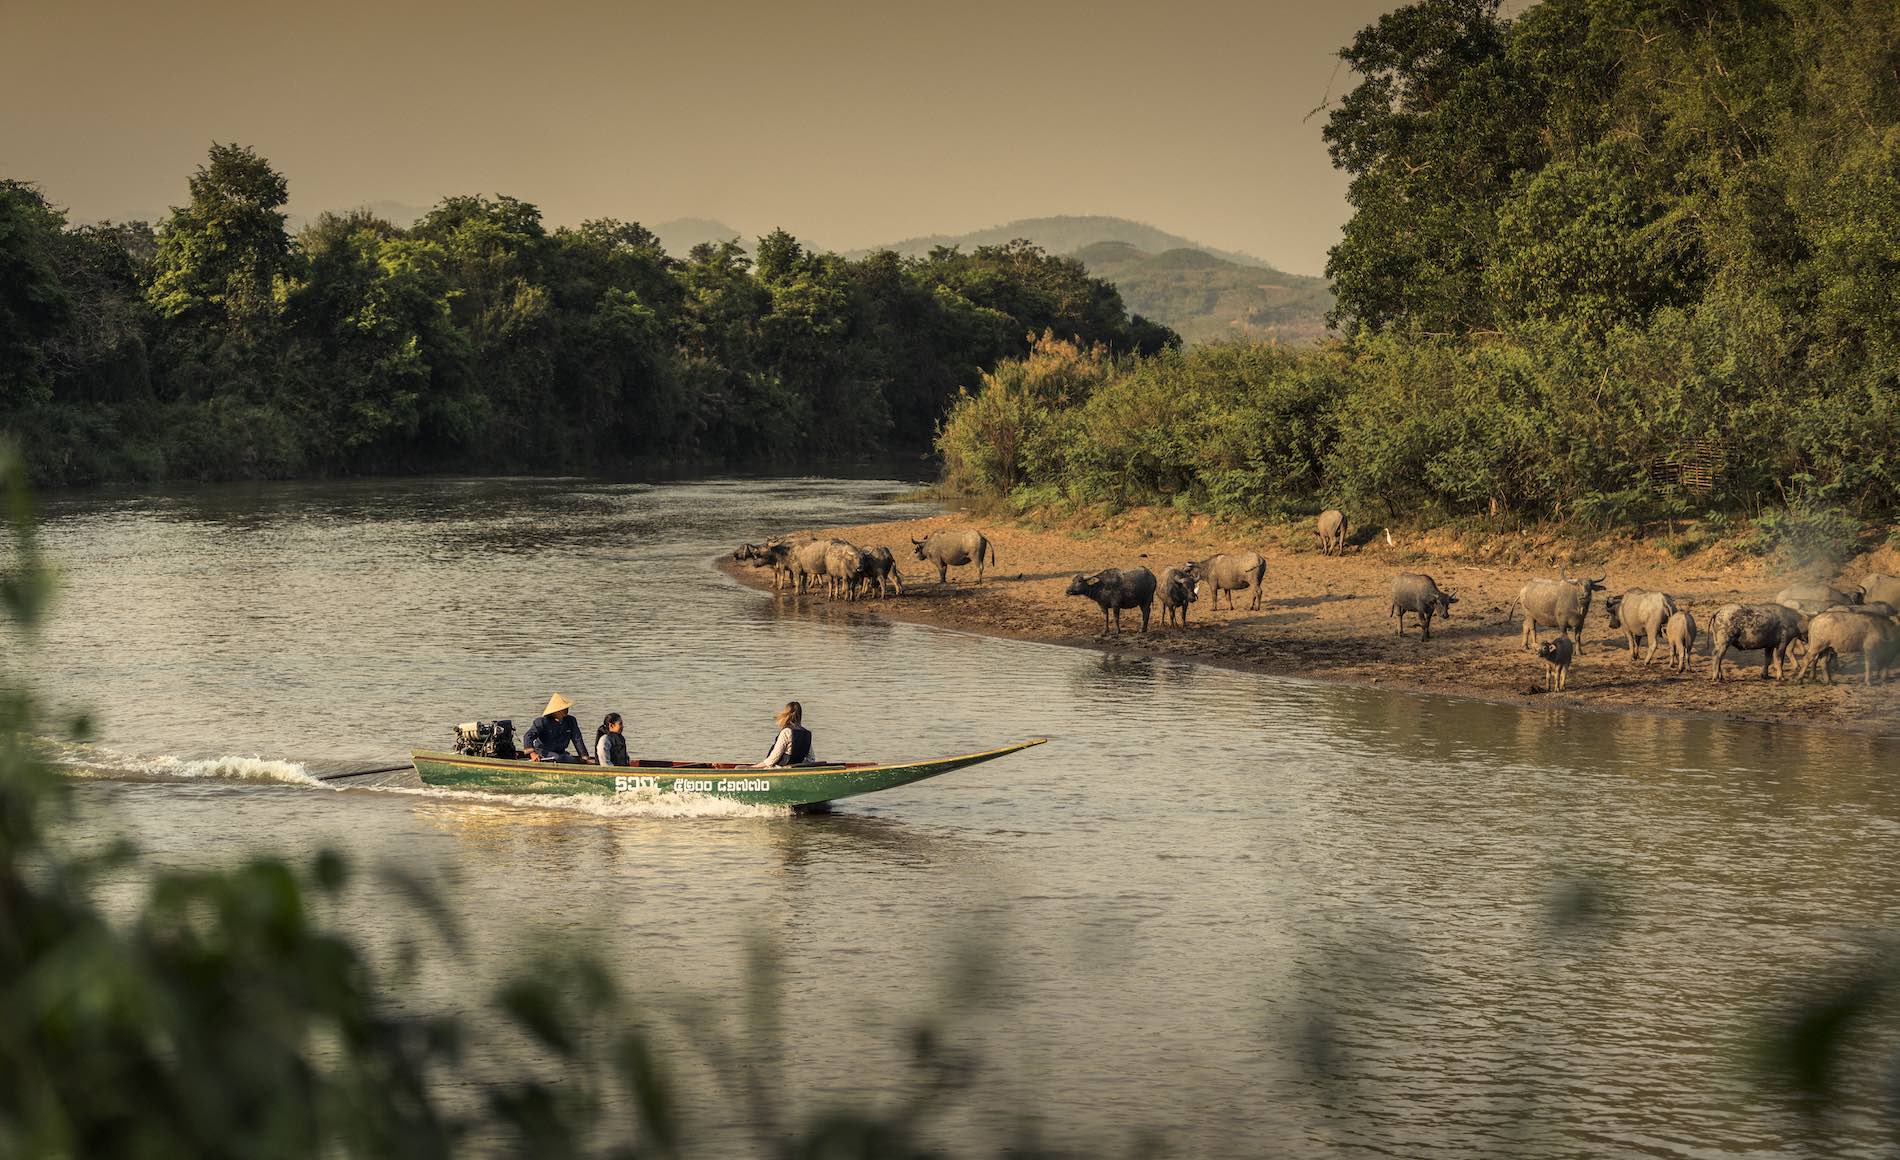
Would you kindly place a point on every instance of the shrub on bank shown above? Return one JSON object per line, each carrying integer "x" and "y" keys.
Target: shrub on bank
{"x": 1017, "y": 427}
{"x": 1686, "y": 414}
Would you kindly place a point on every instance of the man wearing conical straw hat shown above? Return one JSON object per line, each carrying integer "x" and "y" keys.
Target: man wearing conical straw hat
{"x": 548, "y": 738}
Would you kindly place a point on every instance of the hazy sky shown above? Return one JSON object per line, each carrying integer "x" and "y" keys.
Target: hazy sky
{"x": 848, "y": 123}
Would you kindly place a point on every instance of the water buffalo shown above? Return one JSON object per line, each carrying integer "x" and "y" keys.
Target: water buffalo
{"x": 1178, "y": 589}
{"x": 882, "y": 567}
{"x": 1772, "y": 628}
{"x": 1419, "y": 594}
{"x": 1640, "y": 612}
{"x": 1556, "y": 655}
{"x": 954, "y": 547}
{"x": 1680, "y": 633}
{"x": 1331, "y": 531}
{"x": 1560, "y": 604}
{"x": 1878, "y": 586}
{"x": 1840, "y": 632}
{"x": 1115, "y": 590}
{"x": 1230, "y": 572}
{"x": 1812, "y": 598}
{"x": 847, "y": 569}
{"x": 809, "y": 560}
{"x": 773, "y": 554}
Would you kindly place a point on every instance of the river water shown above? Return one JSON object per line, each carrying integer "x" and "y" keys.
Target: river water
{"x": 1253, "y": 915}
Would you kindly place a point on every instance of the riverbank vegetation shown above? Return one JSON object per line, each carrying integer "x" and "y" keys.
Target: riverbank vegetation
{"x": 216, "y": 344}
{"x": 1607, "y": 262}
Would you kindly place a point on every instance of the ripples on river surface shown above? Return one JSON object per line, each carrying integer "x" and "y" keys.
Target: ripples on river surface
{"x": 1201, "y": 868}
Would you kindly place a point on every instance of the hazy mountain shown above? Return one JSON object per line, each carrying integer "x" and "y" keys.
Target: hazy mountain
{"x": 1202, "y": 292}
{"x": 680, "y": 235}
{"x": 1067, "y": 234}
{"x": 1206, "y": 297}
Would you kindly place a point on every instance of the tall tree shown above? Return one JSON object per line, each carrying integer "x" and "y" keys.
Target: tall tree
{"x": 33, "y": 305}
{"x": 220, "y": 256}
{"x": 1433, "y": 133}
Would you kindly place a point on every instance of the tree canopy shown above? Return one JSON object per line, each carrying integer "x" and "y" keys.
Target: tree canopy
{"x": 1607, "y": 260}
{"x": 222, "y": 345}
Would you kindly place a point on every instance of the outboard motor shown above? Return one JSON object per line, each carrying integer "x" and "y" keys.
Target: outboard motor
{"x": 486, "y": 739}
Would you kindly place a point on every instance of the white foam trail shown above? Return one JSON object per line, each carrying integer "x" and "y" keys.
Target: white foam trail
{"x": 97, "y": 760}
{"x": 644, "y": 803}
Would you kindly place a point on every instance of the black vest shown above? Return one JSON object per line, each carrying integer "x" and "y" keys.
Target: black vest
{"x": 612, "y": 749}
{"x": 801, "y": 746}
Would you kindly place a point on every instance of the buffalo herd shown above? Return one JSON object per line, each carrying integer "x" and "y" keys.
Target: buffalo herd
{"x": 850, "y": 572}
{"x": 1807, "y": 625}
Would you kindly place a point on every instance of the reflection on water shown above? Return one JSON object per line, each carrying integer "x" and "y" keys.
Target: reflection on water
{"x": 1237, "y": 908}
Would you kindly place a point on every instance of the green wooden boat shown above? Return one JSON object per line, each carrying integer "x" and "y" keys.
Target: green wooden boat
{"x": 787, "y": 785}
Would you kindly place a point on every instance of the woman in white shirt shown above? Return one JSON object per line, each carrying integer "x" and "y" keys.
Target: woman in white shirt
{"x": 793, "y": 746}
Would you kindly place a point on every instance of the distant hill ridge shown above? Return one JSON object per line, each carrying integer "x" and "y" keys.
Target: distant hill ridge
{"x": 1206, "y": 298}
{"x": 679, "y": 236}
{"x": 1065, "y": 234}
{"x": 1205, "y": 294}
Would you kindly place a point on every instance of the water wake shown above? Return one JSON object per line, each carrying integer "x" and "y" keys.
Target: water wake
{"x": 644, "y": 803}
{"x": 98, "y": 761}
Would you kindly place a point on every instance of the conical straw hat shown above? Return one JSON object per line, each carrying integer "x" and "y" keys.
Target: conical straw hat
{"x": 556, "y": 703}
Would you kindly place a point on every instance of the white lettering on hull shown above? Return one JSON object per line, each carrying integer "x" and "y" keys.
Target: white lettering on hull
{"x": 694, "y": 785}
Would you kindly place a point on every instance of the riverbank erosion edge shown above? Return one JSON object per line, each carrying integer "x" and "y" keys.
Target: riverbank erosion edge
{"x": 1325, "y": 617}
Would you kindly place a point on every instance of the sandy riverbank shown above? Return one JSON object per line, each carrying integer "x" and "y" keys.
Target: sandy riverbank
{"x": 1326, "y": 617}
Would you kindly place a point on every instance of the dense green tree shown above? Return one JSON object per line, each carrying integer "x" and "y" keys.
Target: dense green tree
{"x": 1580, "y": 240}
{"x": 368, "y": 327}
{"x": 103, "y": 353}
{"x": 219, "y": 258}
{"x": 1038, "y": 290}
{"x": 33, "y": 304}
{"x": 1433, "y": 134}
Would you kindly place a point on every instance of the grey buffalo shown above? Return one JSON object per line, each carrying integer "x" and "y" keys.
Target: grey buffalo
{"x": 773, "y": 554}
{"x": 1419, "y": 594}
{"x": 1772, "y": 628}
{"x": 1331, "y": 530}
{"x": 949, "y": 548}
{"x": 1680, "y": 632}
{"x": 1812, "y": 598}
{"x": 1115, "y": 590}
{"x": 882, "y": 569}
{"x": 1879, "y": 586}
{"x": 1556, "y": 654}
{"x": 1845, "y": 631}
{"x": 1640, "y": 612}
{"x": 1560, "y": 604}
{"x": 810, "y": 560}
{"x": 847, "y": 568}
{"x": 1178, "y": 589}
{"x": 1230, "y": 572}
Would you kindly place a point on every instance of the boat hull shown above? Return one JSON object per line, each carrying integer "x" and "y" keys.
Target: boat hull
{"x": 781, "y": 786}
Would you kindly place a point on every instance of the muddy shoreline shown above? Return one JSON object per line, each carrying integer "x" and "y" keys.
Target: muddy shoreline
{"x": 1325, "y": 617}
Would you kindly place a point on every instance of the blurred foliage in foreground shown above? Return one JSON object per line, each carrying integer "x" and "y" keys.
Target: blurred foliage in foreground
{"x": 224, "y": 1013}
{"x": 1608, "y": 260}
